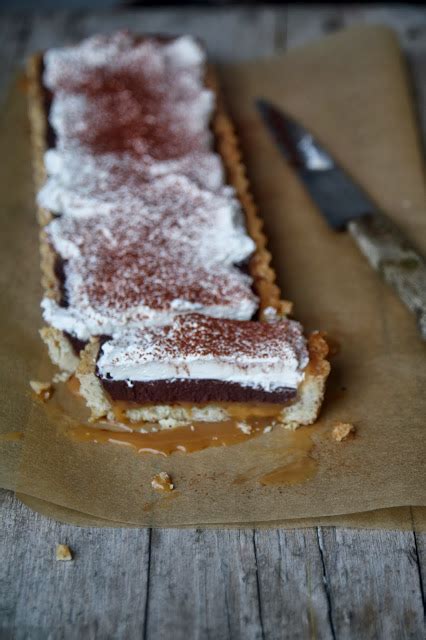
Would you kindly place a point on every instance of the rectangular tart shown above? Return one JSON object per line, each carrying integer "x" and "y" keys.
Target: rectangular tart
{"x": 159, "y": 293}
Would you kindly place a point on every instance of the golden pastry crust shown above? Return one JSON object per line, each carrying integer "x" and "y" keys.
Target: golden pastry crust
{"x": 227, "y": 146}
{"x": 38, "y": 122}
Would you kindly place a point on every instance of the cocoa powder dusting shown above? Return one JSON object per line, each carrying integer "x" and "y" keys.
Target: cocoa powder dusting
{"x": 139, "y": 229}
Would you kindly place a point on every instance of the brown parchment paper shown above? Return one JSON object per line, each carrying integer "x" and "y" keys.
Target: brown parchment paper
{"x": 352, "y": 90}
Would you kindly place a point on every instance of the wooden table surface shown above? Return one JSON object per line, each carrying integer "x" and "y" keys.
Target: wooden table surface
{"x": 215, "y": 584}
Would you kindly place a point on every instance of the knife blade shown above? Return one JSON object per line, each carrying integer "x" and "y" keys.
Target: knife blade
{"x": 345, "y": 205}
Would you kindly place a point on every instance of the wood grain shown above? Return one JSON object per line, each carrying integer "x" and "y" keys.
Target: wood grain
{"x": 364, "y": 580}
{"x": 391, "y": 254}
{"x": 266, "y": 584}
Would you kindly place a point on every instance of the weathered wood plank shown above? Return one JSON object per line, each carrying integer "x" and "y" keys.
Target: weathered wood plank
{"x": 229, "y": 33}
{"x": 305, "y": 24}
{"x": 53, "y": 29}
{"x": 373, "y": 583}
{"x": 101, "y": 593}
{"x": 207, "y": 584}
{"x": 13, "y": 36}
{"x": 203, "y": 584}
{"x": 236, "y": 33}
{"x": 420, "y": 547}
{"x": 23, "y": 34}
{"x": 293, "y": 597}
{"x": 409, "y": 22}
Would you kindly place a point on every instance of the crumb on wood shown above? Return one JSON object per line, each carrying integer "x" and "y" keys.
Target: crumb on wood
{"x": 162, "y": 482}
{"x": 63, "y": 552}
{"x": 244, "y": 427}
{"x": 341, "y": 431}
{"x": 44, "y": 390}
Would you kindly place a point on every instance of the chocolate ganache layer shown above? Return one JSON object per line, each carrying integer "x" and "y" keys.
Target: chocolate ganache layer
{"x": 192, "y": 391}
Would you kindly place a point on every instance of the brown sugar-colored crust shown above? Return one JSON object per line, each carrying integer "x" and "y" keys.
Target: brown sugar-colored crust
{"x": 318, "y": 351}
{"x": 228, "y": 148}
{"x": 38, "y": 122}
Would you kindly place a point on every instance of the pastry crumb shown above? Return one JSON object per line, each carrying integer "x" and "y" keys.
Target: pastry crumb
{"x": 61, "y": 376}
{"x": 63, "y": 552}
{"x": 244, "y": 427}
{"x": 267, "y": 429}
{"x": 341, "y": 430}
{"x": 270, "y": 314}
{"x": 44, "y": 390}
{"x": 162, "y": 482}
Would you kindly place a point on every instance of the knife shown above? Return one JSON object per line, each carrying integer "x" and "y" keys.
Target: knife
{"x": 345, "y": 205}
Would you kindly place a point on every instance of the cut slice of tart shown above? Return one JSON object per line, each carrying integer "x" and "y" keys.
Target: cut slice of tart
{"x": 202, "y": 369}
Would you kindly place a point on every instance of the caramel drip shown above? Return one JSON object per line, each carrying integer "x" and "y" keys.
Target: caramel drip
{"x": 73, "y": 385}
{"x": 12, "y": 436}
{"x": 245, "y": 411}
{"x": 198, "y": 436}
{"x": 295, "y": 472}
{"x": 297, "y": 464}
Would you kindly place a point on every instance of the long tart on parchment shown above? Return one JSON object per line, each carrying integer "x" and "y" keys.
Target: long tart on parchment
{"x": 159, "y": 294}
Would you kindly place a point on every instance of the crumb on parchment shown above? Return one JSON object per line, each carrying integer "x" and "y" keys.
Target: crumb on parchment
{"x": 44, "y": 390}
{"x": 244, "y": 427}
{"x": 341, "y": 430}
{"x": 61, "y": 376}
{"x": 63, "y": 552}
{"x": 162, "y": 482}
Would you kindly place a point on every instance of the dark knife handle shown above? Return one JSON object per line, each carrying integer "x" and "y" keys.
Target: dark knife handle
{"x": 392, "y": 255}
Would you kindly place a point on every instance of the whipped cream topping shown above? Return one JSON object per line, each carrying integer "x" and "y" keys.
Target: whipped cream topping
{"x": 78, "y": 169}
{"x": 171, "y": 252}
{"x": 117, "y": 93}
{"x": 253, "y": 354}
{"x": 147, "y": 230}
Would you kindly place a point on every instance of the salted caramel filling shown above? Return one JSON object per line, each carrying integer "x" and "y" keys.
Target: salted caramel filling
{"x": 239, "y": 412}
